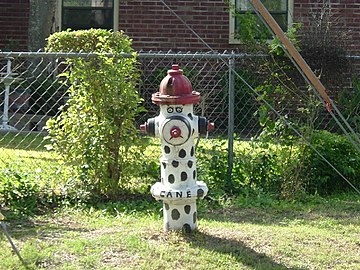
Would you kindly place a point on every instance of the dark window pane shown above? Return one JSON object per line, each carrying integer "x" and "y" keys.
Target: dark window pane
{"x": 281, "y": 19}
{"x": 246, "y": 17}
{"x": 275, "y": 5}
{"x": 77, "y": 19}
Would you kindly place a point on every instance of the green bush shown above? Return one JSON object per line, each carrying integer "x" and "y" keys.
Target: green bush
{"x": 212, "y": 167}
{"x": 337, "y": 149}
{"x": 95, "y": 130}
{"x": 288, "y": 170}
{"x": 254, "y": 168}
{"x": 18, "y": 192}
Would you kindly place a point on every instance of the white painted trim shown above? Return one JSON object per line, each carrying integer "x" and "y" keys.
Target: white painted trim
{"x": 232, "y": 40}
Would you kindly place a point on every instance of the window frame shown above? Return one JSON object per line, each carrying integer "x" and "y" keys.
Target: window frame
{"x": 59, "y": 15}
{"x": 232, "y": 20}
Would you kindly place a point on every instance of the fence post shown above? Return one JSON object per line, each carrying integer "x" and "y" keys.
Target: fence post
{"x": 231, "y": 117}
{"x": 7, "y": 80}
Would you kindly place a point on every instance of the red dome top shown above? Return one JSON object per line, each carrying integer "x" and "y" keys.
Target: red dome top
{"x": 175, "y": 88}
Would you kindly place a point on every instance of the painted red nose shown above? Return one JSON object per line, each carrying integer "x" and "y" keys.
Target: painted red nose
{"x": 175, "y": 132}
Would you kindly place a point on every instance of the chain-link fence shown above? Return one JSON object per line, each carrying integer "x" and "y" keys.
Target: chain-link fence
{"x": 32, "y": 93}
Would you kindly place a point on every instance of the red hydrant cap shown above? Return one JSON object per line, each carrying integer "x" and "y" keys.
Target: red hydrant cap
{"x": 175, "y": 132}
{"x": 175, "y": 88}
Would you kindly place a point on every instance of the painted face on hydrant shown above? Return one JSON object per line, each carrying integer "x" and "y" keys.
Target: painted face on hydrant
{"x": 177, "y": 127}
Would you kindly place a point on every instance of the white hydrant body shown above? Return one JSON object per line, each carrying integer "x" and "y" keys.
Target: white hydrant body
{"x": 177, "y": 127}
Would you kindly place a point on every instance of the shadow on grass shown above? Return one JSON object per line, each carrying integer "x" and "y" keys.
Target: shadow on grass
{"x": 44, "y": 230}
{"x": 236, "y": 248}
{"x": 342, "y": 212}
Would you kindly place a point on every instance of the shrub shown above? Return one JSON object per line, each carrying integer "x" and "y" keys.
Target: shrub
{"x": 289, "y": 169}
{"x": 212, "y": 167}
{"x": 95, "y": 130}
{"x": 18, "y": 192}
{"x": 323, "y": 179}
{"x": 254, "y": 168}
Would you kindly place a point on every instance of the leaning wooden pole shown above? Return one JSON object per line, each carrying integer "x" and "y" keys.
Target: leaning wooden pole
{"x": 292, "y": 51}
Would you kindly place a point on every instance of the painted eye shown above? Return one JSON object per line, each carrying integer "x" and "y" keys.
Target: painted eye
{"x": 179, "y": 109}
{"x": 170, "y": 109}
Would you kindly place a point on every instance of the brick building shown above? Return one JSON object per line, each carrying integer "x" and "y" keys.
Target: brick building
{"x": 153, "y": 25}
{"x": 14, "y": 22}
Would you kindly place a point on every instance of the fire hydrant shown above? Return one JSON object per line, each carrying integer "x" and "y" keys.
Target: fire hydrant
{"x": 177, "y": 127}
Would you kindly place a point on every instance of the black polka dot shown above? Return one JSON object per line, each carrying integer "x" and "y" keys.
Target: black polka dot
{"x": 187, "y": 209}
{"x": 171, "y": 179}
{"x": 162, "y": 180}
{"x": 167, "y": 149}
{"x": 194, "y": 217}
{"x": 186, "y": 228}
{"x": 190, "y": 116}
{"x": 182, "y": 153}
{"x": 184, "y": 176}
{"x": 167, "y": 207}
{"x": 192, "y": 152}
{"x": 200, "y": 192}
{"x": 175, "y": 214}
{"x": 193, "y": 131}
{"x": 190, "y": 163}
{"x": 164, "y": 165}
{"x": 194, "y": 174}
{"x": 175, "y": 163}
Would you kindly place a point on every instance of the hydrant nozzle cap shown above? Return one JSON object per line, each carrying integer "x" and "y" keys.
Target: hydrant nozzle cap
{"x": 175, "y": 70}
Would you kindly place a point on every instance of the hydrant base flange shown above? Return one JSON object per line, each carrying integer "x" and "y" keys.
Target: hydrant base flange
{"x": 161, "y": 192}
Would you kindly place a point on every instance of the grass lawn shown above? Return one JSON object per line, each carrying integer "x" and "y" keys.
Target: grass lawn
{"x": 320, "y": 234}
{"x": 244, "y": 233}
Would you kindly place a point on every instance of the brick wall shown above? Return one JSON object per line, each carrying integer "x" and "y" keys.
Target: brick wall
{"x": 346, "y": 19}
{"x": 154, "y": 27}
{"x": 14, "y": 16}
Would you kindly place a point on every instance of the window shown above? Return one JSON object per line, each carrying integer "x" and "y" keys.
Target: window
{"x": 86, "y": 14}
{"x": 281, "y": 10}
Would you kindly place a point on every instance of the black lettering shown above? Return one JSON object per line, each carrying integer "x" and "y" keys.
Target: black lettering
{"x": 162, "y": 193}
{"x": 188, "y": 194}
{"x": 179, "y": 194}
{"x": 169, "y": 194}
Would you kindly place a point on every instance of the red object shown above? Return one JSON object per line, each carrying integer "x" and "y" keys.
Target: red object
{"x": 175, "y": 88}
{"x": 143, "y": 128}
{"x": 175, "y": 132}
{"x": 210, "y": 126}
{"x": 328, "y": 106}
